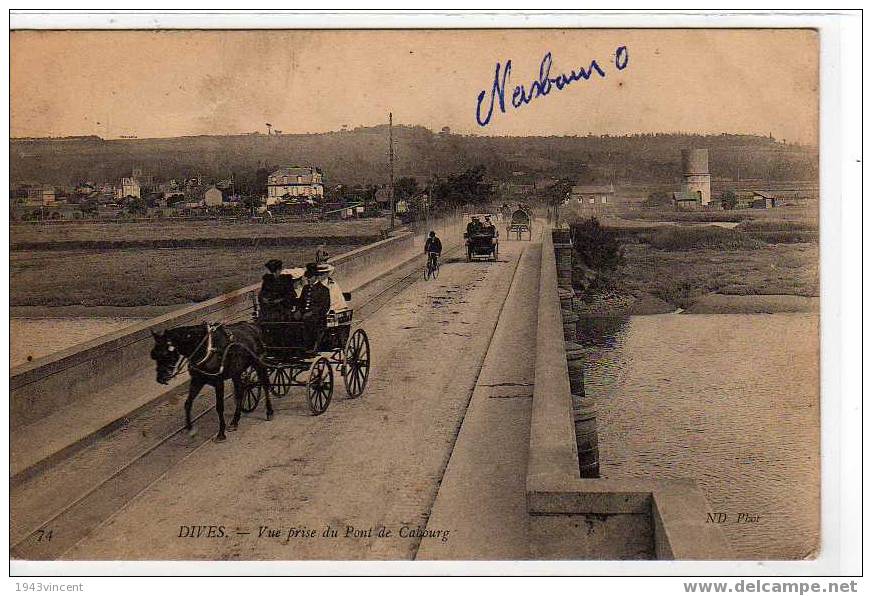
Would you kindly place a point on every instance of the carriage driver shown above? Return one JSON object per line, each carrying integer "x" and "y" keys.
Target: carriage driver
{"x": 315, "y": 300}
{"x": 473, "y": 227}
{"x": 298, "y": 282}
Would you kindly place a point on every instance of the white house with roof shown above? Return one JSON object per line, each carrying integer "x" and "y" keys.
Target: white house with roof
{"x": 213, "y": 197}
{"x": 294, "y": 181}
{"x": 591, "y": 194}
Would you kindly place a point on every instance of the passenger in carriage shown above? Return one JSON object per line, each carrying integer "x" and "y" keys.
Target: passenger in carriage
{"x": 273, "y": 297}
{"x": 315, "y": 301}
{"x": 337, "y": 299}
{"x": 488, "y": 227}
{"x": 297, "y": 279}
{"x": 473, "y": 227}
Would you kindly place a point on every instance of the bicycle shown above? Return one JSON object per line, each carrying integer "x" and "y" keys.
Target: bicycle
{"x": 431, "y": 269}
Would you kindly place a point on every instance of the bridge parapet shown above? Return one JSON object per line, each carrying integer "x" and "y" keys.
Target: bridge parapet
{"x": 590, "y": 518}
{"x": 47, "y": 384}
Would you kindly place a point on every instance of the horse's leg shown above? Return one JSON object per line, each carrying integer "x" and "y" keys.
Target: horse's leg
{"x": 237, "y": 395}
{"x": 193, "y": 389}
{"x": 263, "y": 377}
{"x": 219, "y": 409}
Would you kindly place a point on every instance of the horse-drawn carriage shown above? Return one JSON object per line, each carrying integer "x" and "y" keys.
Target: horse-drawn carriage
{"x": 299, "y": 354}
{"x": 269, "y": 352}
{"x": 482, "y": 240}
{"x": 520, "y": 223}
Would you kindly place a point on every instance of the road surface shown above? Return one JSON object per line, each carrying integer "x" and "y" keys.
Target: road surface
{"x": 357, "y": 482}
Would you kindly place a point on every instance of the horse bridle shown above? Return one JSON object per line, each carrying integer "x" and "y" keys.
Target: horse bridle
{"x": 210, "y": 349}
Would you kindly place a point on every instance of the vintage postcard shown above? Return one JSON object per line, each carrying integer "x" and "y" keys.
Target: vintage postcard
{"x": 415, "y": 294}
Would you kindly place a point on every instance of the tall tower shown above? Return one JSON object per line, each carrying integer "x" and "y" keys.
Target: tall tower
{"x": 697, "y": 179}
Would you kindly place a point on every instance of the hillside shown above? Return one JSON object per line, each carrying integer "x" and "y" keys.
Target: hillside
{"x": 360, "y": 156}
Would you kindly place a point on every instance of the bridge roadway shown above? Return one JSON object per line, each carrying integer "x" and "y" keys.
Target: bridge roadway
{"x": 366, "y": 464}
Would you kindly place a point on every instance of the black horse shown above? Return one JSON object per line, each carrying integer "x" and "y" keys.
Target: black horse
{"x": 214, "y": 354}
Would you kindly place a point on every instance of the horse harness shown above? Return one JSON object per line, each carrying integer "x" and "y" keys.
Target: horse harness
{"x": 208, "y": 339}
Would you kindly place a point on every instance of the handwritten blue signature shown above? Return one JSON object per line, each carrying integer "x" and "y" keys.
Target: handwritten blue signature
{"x": 541, "y": 86}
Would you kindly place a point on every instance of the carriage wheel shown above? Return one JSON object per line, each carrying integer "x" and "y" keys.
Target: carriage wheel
{"x": 319, "y": 389}
{"x": 252, "y": 390}
{"x": 280, "y": 381}
{"x": 356, "y": 363}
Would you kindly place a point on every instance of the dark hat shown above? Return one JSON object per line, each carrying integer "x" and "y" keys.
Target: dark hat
{"x": 311, "y": 270}
{"x": 273, "y": 265}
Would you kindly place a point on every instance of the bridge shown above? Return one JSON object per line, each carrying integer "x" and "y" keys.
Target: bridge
{"x": 465, "y": 445}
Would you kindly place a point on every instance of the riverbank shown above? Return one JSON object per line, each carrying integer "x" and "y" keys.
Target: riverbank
{"x": 704, "y": 272}
{"x": 628, "y": 305}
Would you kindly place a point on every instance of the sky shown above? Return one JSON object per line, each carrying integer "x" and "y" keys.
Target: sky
{"x": 176, "y": 83}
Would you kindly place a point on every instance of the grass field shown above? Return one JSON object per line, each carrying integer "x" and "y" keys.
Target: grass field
{"x": 178, "y": 230}
{"x": 676, "y": 266}
{"x": 141, "y": 277}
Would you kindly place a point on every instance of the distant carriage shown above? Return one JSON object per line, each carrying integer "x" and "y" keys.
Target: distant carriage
{"x": 296, "y": 358}
{"x": 521, "y": 223}
{"x": 482, "y": 242}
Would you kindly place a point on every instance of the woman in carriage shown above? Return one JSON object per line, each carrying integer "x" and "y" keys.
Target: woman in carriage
{"x": 275, "y": 293}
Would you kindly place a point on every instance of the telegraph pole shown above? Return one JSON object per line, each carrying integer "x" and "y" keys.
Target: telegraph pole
{"x": 391, "y": 158}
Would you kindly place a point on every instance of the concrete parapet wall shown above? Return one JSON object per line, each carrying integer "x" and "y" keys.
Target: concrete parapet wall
{"x": 40, "y": 387}
{"x": 592, "y": 518}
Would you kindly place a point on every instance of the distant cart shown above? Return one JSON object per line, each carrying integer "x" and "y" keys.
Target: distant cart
{"x": 521, "y": 223}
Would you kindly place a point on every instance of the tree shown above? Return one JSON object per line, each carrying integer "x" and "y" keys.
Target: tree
{"x": 458, "y": 189}
{"x": 729, "y": 200}
{"x": 596, "y": 246}
{"x": 251, "y": 203}
{"x": 405, "y": 188}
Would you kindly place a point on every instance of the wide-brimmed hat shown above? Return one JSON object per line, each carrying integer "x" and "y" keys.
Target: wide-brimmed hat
{"x": 294, "y": 272}
{"x": 325, "y": 268}
{"x": 273, "y": 264}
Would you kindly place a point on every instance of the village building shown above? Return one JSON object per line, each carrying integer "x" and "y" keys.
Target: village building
{"x": 593, "y": 194}
{"x": 294, "y": 181}
{"x": 764, "y": 200}
{"x": 41, "y": 195}
{"x": 687, "y": 200}
{"x": 213, "y": 197}
{"x": 129, "y": 188}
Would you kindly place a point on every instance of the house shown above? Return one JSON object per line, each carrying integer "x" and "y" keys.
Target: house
{"x": 687, "y": 200}
{"x": 764, "y": 200}
{"x": 593, "y": 195}
{"x": 85, "y": 189}
{"x": 41, "y": 195}
{"x": 294, "y": 181}
{"x": 213, "y": 197}
{"x": 383, "y": 197}
{"x": 129, "y": 188}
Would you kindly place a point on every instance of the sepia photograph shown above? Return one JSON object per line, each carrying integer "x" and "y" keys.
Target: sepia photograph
{"x": 415, "y": 294}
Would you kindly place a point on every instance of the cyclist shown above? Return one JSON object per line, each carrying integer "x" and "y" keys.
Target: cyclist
{"x": 433, "y": 248}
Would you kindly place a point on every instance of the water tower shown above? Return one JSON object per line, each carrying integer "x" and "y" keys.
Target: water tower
{"x": 697, "y": 179}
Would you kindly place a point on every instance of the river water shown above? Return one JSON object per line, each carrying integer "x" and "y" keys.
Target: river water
{"x": 40, "y": 337}
{"x": 729, "y": 400}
